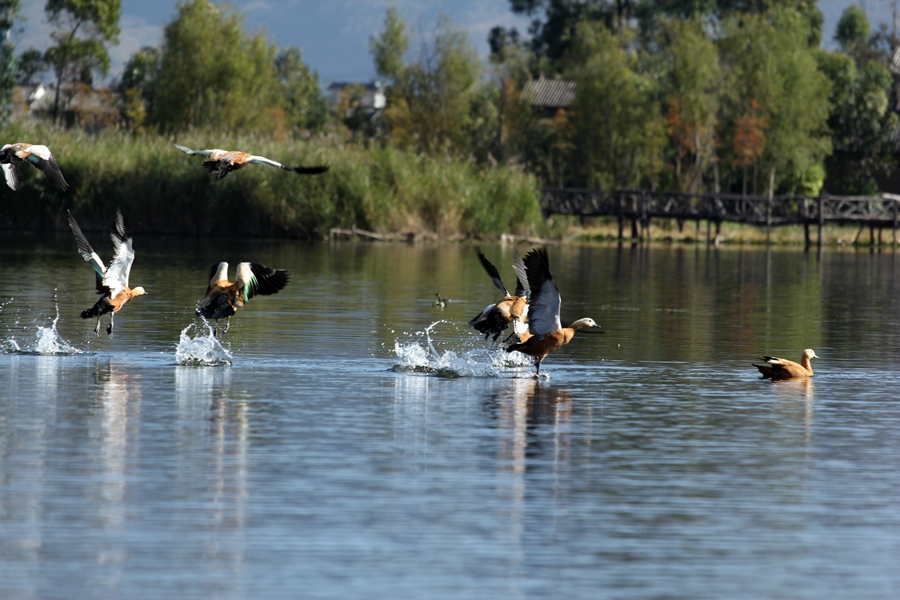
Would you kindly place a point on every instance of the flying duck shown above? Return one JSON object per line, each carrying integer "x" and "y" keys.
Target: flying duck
{"x": 513, "y": 308}
{"x": 780, "y": 368}
{"x": 112, "y": 282}
{"x": 37, "y": 156}
{"x": 547, "y": 332}
{"x": 223, "y": 297}
{"x": 224, "y": 161}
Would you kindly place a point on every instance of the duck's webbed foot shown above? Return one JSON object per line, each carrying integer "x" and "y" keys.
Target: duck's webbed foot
{"x": 109, "y": 327}
{"x": 97, "y": 327}
{"x": 227, "y": 325}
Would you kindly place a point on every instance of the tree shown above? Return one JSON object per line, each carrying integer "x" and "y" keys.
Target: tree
{"x": 30, "y": 64}
{"x": 773, "y": 75}
{"x": 434, "y": 103}
{"x": 81, "y": 30}
{"x": 305, "y": 106}
{"x": 8, "y": 75}
{"x": 211, "y": 74}
{"x": 692, "y": 80}
{"x": 616, "y": 124}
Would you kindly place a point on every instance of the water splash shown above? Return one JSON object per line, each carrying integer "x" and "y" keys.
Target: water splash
{"x": 47, "y": 342}
{"x": 203, "y": 350}
{"x": 469, "y": 357}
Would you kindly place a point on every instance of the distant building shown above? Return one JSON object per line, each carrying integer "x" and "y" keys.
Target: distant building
{"x": 78, "y": 103}
{"x": 549, "y": 94}
{"x": 373, "y": 99}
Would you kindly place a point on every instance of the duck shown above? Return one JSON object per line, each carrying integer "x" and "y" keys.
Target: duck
{"x": 547, "y": 333}
{"x": 512, "y": 308}
{"x": 37, "y": 156}
{"x": 441, "y": 302}
{"x": 112, "y": 282}
{"x": 781, "y": 368}
{"x": 223, "y": 297}
{"x": 225, "y": 161}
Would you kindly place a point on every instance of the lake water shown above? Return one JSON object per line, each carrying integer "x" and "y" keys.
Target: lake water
{"x": 354, "y": 441}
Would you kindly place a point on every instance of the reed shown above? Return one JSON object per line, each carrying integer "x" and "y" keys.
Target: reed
{"x": 161, "y": 190}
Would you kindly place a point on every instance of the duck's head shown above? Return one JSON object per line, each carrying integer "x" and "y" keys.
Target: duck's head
{"x": 585, "y": 322}
{"x": 809, "y": 353}
{"x": 138, "y": 291}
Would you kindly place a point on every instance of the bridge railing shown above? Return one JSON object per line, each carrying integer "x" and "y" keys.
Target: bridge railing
{"x": 878, "y": 211}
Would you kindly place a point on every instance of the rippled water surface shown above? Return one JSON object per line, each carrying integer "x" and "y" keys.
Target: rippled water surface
{"x": 348, "y": 439}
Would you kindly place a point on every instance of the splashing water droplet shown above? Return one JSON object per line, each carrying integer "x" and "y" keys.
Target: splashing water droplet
{"x": 201, "y": 350}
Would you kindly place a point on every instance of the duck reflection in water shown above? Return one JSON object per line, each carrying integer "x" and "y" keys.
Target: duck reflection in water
{"x": 532, "y": 412}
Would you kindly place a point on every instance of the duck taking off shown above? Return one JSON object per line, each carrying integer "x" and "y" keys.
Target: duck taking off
{"x": 112, "y": 282}
{"x": 513, "y": 308}
{"x": 225, "y": 161}
{"x": 547, "y": 332}
{"x": 37, "y": 156}
{"x": 223, "y": 297}
{"x": 781, "y": 368}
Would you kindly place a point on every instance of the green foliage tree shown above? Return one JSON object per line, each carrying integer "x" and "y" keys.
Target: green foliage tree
{"x": 81, "y": 30}
{"x": 861, "y": 120}
{"x": 772, "y": 69}
{"x": 305, "y": 106}
{"x": 436, "y": 103}
{"x": 692, "y": 96}
{"x": 30, "y": 64}
{"x": 8, "y": 72}
{"x": 616, "y": 124}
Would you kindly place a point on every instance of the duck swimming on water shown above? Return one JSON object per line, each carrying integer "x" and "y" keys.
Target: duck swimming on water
{"x": 223, "y": 297}
{"x": 37, "y": 156}
{"x": 781, "y": 368}
{"x": 224, "y": 162}
{"x": 547, "y": 332}
{"x": 112, "y": 282}
{"x": 513, "y": 308}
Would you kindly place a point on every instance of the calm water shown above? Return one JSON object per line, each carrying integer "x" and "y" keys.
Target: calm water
{"x": 357, "y": 442}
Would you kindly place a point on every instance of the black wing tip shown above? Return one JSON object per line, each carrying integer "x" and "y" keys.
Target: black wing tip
{"x": 120, "y": 229}
{"x": 268, "y": 280}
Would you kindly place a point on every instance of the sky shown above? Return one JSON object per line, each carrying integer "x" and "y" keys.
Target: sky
{"x": 334, "y": 34}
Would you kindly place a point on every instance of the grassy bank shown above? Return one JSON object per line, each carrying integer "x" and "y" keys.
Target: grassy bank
{"x": 162, "y": 190}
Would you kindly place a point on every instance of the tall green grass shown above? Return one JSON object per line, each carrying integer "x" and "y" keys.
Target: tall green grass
{"x": 162, "y": 190}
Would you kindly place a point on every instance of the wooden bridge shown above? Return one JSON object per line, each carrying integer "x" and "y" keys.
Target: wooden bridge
{"x": 640, "y": 206}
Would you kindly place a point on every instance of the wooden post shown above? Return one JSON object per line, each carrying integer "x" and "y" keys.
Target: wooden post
{"x": 821, "y": 202}
{"x": 718, "y": 233}
{"x": 621, "y": 218}
{"x": 806, "y": 243}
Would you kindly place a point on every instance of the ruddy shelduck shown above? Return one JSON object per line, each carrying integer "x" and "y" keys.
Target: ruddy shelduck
{"x": 512, "y": 308}
{"x": 223, "y": 297}
{"x": 112, "y": 282}
{"x": 547, "y": 332}
{"x": 781, "y": 368}
{"x": 37, "y": 156}
{"x": 223, "y": 162}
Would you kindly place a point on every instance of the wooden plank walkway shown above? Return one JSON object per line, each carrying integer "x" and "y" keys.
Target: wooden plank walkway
{"x": 640, "y": 206}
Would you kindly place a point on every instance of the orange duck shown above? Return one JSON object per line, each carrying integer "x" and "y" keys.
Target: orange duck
{"x": 223, "y": 297}
{"x": 112, "y": 282}
{"x": 513, "y": 308}
{"x": 37, "y": 156}
{"x": 223, "y": 162}
{"x": 781, "y": 368}
{"x": 547, "y": 332}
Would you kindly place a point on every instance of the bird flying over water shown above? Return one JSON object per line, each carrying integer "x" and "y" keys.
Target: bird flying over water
{"x": 513, "y": 308}
{"x": 37, "y": 156}
{"x": 547, "y": 332}
{"x": 112, "y": 282}
{"x": 223, "y": 297}
{"x": 781, "y": 368}
{"x": 225, "y": 161}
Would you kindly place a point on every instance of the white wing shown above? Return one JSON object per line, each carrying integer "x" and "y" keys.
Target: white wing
{"x": 116, "y": 276}
{"x": 262, "y": 160}
{"x": 187, "y": 150}
{"x": 12, "y": 178}
{"x": 40, "y": 151}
